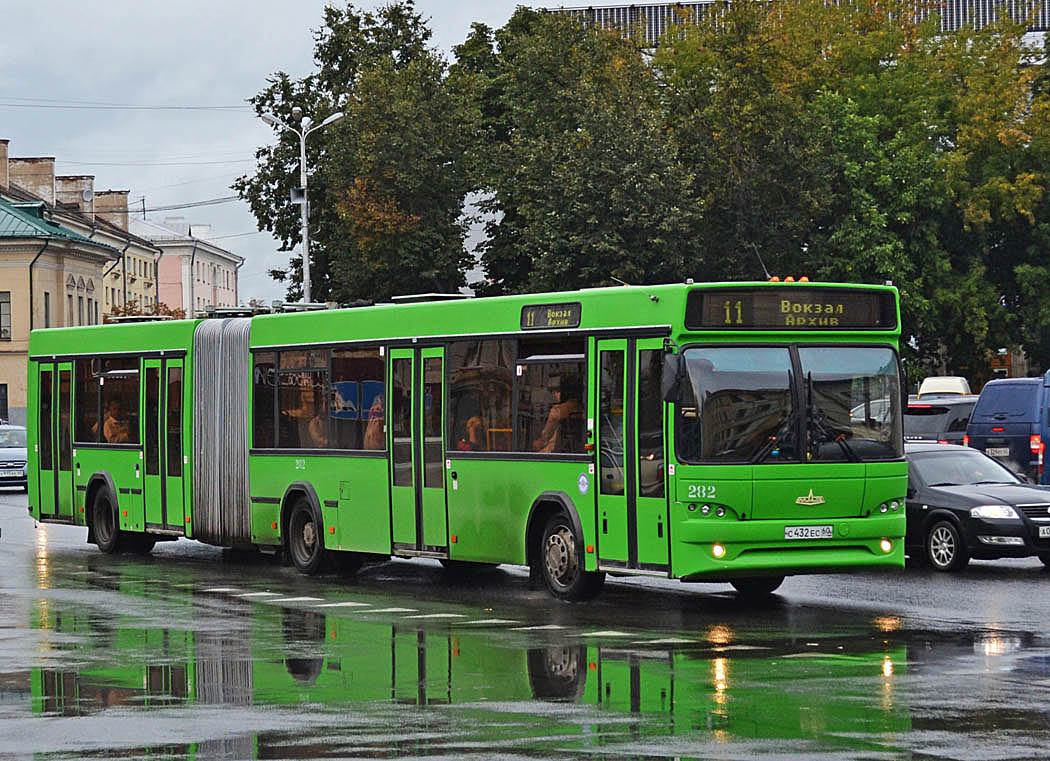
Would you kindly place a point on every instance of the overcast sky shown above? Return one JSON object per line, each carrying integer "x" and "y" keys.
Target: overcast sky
{"x": 161, "y": 53}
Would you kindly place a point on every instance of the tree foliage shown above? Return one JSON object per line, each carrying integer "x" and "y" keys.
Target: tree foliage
{"x": 387, "y": 182}
{"x": 849, "y": 141}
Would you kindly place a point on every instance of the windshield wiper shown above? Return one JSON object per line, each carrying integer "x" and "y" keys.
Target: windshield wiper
{"x": 983, "y": 483}
{"x": 816, "y": 417}
{"x": 944, "y": 483}
{"x": 774, "y": 440}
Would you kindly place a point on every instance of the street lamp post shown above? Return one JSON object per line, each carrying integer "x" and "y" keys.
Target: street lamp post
{"x": 306, "y": 128}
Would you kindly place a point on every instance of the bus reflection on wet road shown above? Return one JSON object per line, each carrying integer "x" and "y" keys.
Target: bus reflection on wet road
{"x": 193, "y": 655}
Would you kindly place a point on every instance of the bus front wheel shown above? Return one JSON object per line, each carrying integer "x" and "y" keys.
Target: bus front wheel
{"x": 561, "y": 562}
{"x": 305, "y": 538}
{"x": 108, "y": 536}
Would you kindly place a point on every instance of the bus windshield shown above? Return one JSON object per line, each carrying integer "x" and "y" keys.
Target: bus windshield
{"x": 789, "y": 404}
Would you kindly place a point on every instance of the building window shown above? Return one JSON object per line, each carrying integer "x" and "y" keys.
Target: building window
{"x": 90, "y": 310}
{"x": 69, "y": 309}
{"x": 47, "y": 309}
{"x": 3, "y": 401}
{"x": 96, "y": 312}
{"x": 5, "y": 315}
{"x": 80, "y": 310}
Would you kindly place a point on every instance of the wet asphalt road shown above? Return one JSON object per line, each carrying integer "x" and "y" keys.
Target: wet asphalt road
{"x": 198, "y": 654}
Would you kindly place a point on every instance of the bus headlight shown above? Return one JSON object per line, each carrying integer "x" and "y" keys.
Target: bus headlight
{"x": 886, "y": 545}
{"x": 718, "y": 550}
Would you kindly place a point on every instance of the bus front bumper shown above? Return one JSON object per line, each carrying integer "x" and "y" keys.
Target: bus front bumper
{"x": 715, "y": 550}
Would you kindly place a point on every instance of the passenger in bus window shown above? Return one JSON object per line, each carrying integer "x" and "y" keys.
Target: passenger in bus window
{"x": 474, "y": 438}
{"x": 114, "y": 427}
{"x": 317, "y": 429}
{"x": 557, "y": 434}
{"x": 374, "y": 429}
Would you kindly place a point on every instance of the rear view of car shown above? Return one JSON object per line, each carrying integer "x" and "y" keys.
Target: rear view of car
{"x": 1009, "y": 423}
{"x": 941, "y": 421}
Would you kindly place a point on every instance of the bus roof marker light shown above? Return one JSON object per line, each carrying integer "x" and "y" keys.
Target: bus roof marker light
{"x": 719, "y": 550}
{"x": 804, "y": 279}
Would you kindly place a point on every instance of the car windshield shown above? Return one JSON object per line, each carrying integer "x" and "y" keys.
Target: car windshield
{"x": 12, "y": 439}
{"x": 748, "y": 404}
{"x": 959, "y": 467}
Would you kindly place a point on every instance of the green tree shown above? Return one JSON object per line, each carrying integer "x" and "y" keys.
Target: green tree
{"x": 580, "y": 177}
{"x": 388, "y": 182}
{"x": 854, "y": 141}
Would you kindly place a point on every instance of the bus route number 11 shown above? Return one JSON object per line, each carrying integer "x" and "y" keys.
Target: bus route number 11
{"x": 733, "y": 309}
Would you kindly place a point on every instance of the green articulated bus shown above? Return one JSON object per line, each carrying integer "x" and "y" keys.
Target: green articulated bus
{"x": 732, "y": 432}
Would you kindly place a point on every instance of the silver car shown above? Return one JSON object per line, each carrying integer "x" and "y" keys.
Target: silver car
{"x": 13, "y": 461}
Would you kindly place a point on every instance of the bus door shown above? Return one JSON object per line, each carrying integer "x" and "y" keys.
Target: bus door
{"x": 632, "y": 498}
{"x": 162, "y": 443}
{"x": 55, "y": 440}
{"x": 419, "y": 517}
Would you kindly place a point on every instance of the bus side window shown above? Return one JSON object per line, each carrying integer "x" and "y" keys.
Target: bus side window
{"x": 85, "y": 404}
{"x": 356, "y": 406}
{"x": 650, "y": 424}
{"x": 551, "y": 405}
{"x": 264, "y": 402}
{"x": 480, "y": 379}
{"x": 120, "y": 401}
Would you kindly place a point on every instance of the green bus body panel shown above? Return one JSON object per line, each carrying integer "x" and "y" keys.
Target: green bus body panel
{"x": 487, "y": 503}
{"x": 487, "y": 488}
{"x": 357, "y": 484}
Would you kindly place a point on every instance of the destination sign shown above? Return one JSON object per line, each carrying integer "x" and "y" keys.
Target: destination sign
{"x": 790, "y": 308}
{"x": 540, "y": 316}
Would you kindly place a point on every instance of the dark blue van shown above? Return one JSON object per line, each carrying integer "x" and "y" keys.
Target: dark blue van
{"x": 1011, "y": 423}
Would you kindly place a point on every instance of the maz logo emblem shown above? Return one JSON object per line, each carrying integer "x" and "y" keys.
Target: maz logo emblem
{"x": 809, "y": 499}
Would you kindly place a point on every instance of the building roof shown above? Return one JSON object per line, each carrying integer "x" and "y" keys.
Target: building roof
{"x": 15, "y": 194}
{"x": 26, "y": 219}
{"x": 164, "y": 236}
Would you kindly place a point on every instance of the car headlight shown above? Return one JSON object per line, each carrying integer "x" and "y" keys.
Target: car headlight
{"x": 1001, "y": 512}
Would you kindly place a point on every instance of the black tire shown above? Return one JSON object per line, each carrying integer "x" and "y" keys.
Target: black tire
{"x": 104, "y": 525}
{"x": 558, "y": 673}
{"x": 1044, "y": 557}
{"x": 25, "y": 489}
{"x": 306, "y": 538}
{"x": 560, "y": 556}
{"x": 757, "y": 589}
{"x": 945, "y": 549}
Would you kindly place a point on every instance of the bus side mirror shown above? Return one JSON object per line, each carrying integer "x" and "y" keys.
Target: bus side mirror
{"x": 672, "y": 377}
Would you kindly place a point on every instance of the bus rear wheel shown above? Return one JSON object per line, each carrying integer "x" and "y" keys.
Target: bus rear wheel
{"x": 108, "y": 536}
{"x": 561, "y": 562}
{"x": 305, "y": 538}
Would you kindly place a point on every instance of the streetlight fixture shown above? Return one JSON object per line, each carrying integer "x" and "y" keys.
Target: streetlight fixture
{"x": 306, "y": 128}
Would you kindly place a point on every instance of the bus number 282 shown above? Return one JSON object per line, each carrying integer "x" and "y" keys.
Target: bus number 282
{"x": 701, "y": 491}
